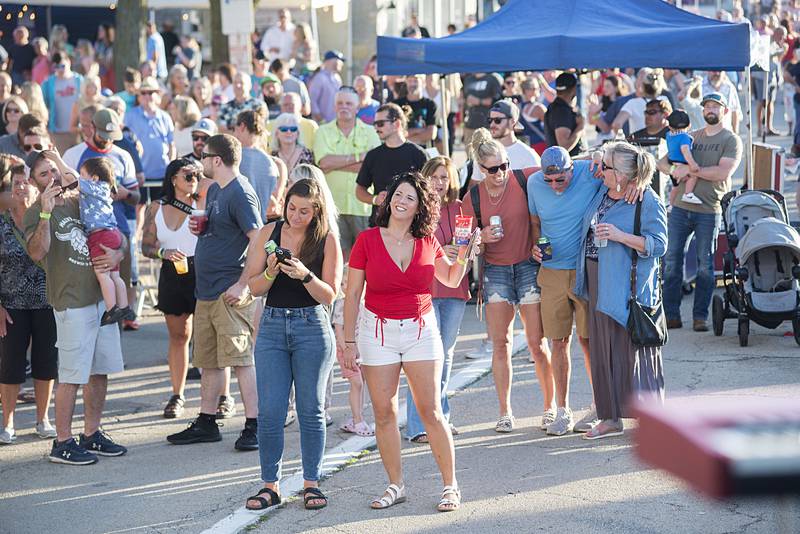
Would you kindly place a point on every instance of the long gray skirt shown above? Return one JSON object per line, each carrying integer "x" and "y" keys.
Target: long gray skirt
{"x": 621, "y": 371}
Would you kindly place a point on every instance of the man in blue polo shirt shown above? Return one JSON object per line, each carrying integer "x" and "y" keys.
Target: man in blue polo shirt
{"x": 557, "y": 199}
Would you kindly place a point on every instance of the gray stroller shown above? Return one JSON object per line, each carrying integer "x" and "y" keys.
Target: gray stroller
{"x": 761, "y": 270}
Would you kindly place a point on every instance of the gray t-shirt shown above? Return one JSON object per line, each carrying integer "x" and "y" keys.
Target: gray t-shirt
{"x": 262, "y": 172}
{"x": 233, "y": 211}
{"x": 293, "y": 85}
{"x": 67, "y": 94}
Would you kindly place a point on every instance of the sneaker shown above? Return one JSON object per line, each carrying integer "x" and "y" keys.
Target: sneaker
{"x": 291, "y": 417}
{"x": 674, "y": 323}
{"x": 70, "y": 453}
{"x": 110, "y": 316}
{"x": 562, "y": 424}
{"x": 102, "y": 444}
{"x": 45, "y": 430}
{"x": 699, "y": 325}
{"x": 226, "y": 408}
{"x": 247, "y": 439}
{"x": 505, "y": 424}
{"x": 197, "y": 432}
{"x": 691, "y": 198}
{"x": 483, "y": 351}
{"x": 174, "y": 407}
{"x": 8, "y": 436}
{"x": 130, "y": 326}
{"x": 328, "y": 419}
{"x": 548, "y": 417}
{"x": 587, "y": 422}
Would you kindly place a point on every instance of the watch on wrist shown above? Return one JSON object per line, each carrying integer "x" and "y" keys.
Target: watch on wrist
{"x": 308, "y": 277}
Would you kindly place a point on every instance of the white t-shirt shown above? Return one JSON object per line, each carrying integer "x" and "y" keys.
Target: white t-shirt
{"x": 280, "y": 39}
{"x": 635, "y": 107}
{"x": 520, "y": 156}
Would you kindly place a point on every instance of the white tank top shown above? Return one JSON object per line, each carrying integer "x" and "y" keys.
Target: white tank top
{"x": 181, "y": 239}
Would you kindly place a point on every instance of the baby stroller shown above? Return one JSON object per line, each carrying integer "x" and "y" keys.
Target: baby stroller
{"x": 761, "y": 269}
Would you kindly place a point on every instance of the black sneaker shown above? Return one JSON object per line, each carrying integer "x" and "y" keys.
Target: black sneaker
{"x": 248, "y": 441}
{"x": 197, "y": 432}
{"x": 70, "y": 453}
{"x": 102, "y": 444}
{"x": 226, "y": 408}
{"x": 110, "y": 316}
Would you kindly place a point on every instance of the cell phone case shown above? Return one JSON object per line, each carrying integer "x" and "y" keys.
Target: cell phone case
{"x": 471, "y": 245}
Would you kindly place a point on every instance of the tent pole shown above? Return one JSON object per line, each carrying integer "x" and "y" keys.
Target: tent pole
{"x": 748, "y": 153}
{"x": 766, "y": 104}
{"x": 444, "y": 113}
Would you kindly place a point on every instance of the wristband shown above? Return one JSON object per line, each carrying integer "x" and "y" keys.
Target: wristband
{"x": 268, "y": 277}
{"x": 44, "y": 215}
{"x": 349, "y": 342}
{"x": 307, "y": 278}
{"x": 160, "y": 253}
{"x": 461, "y": 261}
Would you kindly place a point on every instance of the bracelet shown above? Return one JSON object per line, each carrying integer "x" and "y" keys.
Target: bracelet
{"x": 160, "y": 253}
{"x": 44, "y": 215}
{"x": 461, "y": 261}
{"x": 349, "y": 342}
{"x": 268, "y": 277}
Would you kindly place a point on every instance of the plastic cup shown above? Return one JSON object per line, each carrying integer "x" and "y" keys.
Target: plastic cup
{"x": 182, "y": 266}
{"x": 463, "y": 229}
{"x": 200, "y": 217}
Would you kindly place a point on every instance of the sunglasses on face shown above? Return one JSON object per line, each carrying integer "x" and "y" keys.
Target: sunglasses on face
{"x": 147, "y": 93}
{"x": 606, "y": 167}
{"x": 497, "y": 120}
{"x": 61, "y": 66}
{"x": 561, "y": 178}
{"x": 13, "y": 110}
{"x": 204, "y": 155}
{"x": 511, "y": 82}
{"x": 192, "y": 177}
{"x": 37, "y": 146}
{"x": 202, "y": 138}
{"x": 493, "y": 170}
{"x": 284, "y": 129}
{"x": 652, "y": 112}
{"x": 381, "y": 123}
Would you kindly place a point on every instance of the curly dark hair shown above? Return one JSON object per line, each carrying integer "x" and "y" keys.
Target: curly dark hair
{"x": 427, "y": 216}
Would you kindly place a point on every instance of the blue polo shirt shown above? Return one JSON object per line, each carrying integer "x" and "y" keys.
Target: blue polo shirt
{"x": 562, "y": 215}
{"x": 156, "y": 133}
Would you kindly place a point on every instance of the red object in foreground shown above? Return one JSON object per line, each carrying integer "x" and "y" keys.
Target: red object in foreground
{"x": 724, "y": 446}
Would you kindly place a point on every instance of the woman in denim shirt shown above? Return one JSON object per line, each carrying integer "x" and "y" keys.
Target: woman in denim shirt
{"x": 620, "y": 368}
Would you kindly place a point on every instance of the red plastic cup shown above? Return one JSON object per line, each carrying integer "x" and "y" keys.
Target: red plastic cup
{"x": 200, "y": 218}
{"x": 463, "y": 229}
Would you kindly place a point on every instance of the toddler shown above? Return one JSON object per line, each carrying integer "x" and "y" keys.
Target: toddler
{"x": 96, "y": 183}
{"x": 679, "y": 150}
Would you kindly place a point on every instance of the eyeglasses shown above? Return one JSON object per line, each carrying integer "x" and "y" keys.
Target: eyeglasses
{"x": 204, "y": 155}
{"x": 493, "y": 170}
{"x": 497, "y": 120}
{"x": 202, "y": 138}
{"x": 37, "y": 146}
{"x": 382, "y": 122}
{"x": 652, "y": 112}
{"x": 605, "y": 167}
{"x": 284, "y": 129}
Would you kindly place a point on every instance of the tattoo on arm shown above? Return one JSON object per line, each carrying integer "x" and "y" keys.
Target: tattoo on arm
{"x": 39, "y": 241}
{"x": 149, "y": 238}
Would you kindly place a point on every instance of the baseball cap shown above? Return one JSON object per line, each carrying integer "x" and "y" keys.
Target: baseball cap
{"x": 678, "y": 119}
{"x": 206, "y": 126}
{"x": 260, "y": 55}
{"x": 507, "y": 107}
{"x": 107, "y": 125}
{"x": 555, "y": 160}
{"x": 566, "y": 80}
{"x": 715, "y": 97}
{"x": 270, "y": 78}
{"x": 333, "y": 54}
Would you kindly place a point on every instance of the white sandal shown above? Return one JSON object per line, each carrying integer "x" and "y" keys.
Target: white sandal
{"x": 394, "y": 494}
{"x": 449, "y": 504}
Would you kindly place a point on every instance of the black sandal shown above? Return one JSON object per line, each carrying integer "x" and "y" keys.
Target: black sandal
{"x": 274, "y": 499}
{"x": 174, "y": 407}
{"x": 315, "y": 495}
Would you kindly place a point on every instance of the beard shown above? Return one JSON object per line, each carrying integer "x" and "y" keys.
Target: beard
{"x": 711, "y": 118}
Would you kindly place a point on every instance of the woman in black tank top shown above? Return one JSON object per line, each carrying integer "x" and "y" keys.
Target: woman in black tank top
{"x": 295, "y": 338}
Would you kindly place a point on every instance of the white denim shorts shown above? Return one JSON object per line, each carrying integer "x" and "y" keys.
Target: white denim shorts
{"x": 389, "y": 341}
{"x": 84, "y": 347}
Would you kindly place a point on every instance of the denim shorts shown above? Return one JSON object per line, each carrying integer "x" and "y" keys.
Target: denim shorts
{"x": 514, "y": 284}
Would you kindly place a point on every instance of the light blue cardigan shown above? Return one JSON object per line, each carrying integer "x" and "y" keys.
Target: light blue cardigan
{"x": 614, "y": 260}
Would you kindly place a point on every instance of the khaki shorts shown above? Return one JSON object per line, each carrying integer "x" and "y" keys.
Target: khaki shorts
{"x": 223, "y": 335}
{"x": 559, "y": 303}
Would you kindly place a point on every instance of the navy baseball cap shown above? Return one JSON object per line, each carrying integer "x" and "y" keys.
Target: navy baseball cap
{"x": 566, "y": 80}
{"x": 333, "y": 54}
{"x": 556, "y": 160}
{"x": 715, "y": 97}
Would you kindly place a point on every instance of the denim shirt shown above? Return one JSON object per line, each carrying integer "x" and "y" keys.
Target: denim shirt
{"x": 614, "y": 260}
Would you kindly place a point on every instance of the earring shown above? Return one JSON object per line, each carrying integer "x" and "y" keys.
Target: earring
{"x": 619, "y": 187}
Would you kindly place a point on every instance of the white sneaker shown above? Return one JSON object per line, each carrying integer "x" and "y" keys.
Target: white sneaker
{"x": 483, "y": 351}
{"x": 690, "y": 198}
{"x": 547, "y": 418}
{"x": 8, "y": 436}
{"x": 563, "y": 423}
{"x": 45, "y": 430}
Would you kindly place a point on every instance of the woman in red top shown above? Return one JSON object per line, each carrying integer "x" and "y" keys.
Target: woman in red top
{"x": 398, "y": 260}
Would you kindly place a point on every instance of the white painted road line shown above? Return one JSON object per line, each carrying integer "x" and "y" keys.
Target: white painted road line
{"x": 337, "y": 457}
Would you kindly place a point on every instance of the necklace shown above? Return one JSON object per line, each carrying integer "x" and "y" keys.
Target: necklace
{"x": 398, "y": 241}
{"x": 499, "y": 196}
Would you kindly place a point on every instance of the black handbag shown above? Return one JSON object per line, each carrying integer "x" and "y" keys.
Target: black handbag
{"x": 647, "y": 325}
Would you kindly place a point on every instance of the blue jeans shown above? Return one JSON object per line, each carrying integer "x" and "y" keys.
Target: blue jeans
{"x": 680, "y": 226}
{"x": 449, "y": 313}
{"x": 294, "y": 346}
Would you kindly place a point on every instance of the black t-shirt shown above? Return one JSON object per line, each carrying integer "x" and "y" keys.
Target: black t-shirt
{"x": 560, "y": 114}
{"x": 382, "y": 164}
{"x": 642, "y": 135}
{"x": 423, "y": 111}
{"x": 23, "y": 56}
{"x": 487, "y": 86}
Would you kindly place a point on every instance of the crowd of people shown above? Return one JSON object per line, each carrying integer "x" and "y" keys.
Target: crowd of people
{"x": 279, "y": 202}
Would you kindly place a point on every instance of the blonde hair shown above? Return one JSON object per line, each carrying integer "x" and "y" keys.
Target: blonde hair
{"x": 186, "y": 110}
{"x": 453, "y": 184}
{"x": 84, "y": 99}
{"x": 632, "y": 162}
{"x": 483, "y": 147}
{"x": 31, "y": 92}
{"x": 21, "y": 104}
{"x": 304, "y": 171}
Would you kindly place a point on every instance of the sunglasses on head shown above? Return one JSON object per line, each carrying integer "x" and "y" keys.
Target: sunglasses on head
{"x": 285, "y": 129}
{"x": 497, "y": 120}
{"x": 37, "y": 146}
{"x": 202, "y": 138}
{"x": 493, "y": 170}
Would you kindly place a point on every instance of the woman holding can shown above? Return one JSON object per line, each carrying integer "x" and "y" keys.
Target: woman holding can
{"x": 448, "y": 302}
{"x": 509, "y": 274}
{"x": 166, "y": 237}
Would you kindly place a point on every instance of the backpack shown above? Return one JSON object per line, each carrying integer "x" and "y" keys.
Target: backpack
{"x": 475, "y": 195}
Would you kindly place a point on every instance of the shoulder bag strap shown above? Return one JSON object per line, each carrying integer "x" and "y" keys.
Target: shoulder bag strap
{"x": 637, "y": 231}
{"x": 475, "y": 197}
{"x": 522, "y": 180}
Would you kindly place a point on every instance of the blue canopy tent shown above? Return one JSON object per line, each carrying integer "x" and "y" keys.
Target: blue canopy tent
{"x": 591, "y": 34}
{"x": 558, "y": 34}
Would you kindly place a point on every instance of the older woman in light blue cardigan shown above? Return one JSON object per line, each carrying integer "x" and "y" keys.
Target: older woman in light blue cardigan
{"x": 619, "y": 368}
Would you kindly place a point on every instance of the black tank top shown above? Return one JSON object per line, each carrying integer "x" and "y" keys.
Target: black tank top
{"x": 286, "y": 292}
